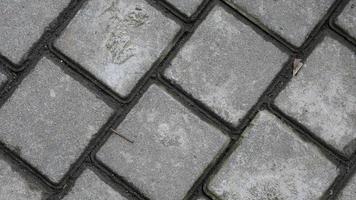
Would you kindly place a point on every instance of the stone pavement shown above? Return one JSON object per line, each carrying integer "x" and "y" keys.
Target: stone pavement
{"x": 178, "y": 99}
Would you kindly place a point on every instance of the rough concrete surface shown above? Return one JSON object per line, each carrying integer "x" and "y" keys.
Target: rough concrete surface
{"x": 323, "y": 95}
{"x": 117, "y": 40}
{"x": 186, "y": 6}
{"x": 22, "y": 23}
{"x": 14, "y": 186}
{"x": 90, "y": 187}
{"x": 50, "y": 119}
{"x": 235, "y": 65}
{"x": 291, "y": 19}
{"x": 171, "y": 146}
{"x": 349, "y": 192}
{"x": 272, "y": 162}
{"x": 347, "y": 18}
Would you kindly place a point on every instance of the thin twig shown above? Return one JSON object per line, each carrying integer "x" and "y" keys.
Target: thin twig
{"x": 123, "y": 137}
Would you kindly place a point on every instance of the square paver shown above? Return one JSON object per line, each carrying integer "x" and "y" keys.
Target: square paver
{"x": 90, "y": 186}
{"x": 22, "y": 23}
{"x": 323, "y": 96}
{"x": 272, "y": 162}
{"x": 13, "y": 186}
{"x": 349, "y": 192}
{"x": 186, "y": 6}
{"x": 291, "y": 19}
{"x": 50, "y": 118}
{"x": 117, "y": 40}
{"x": 347, "y": 18}
{"x": 226, "y": 65}
{"x": 171, "y": 146}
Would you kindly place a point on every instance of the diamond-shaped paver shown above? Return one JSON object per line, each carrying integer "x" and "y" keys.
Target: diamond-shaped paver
{"x": 117, "y": 40}
{"x": 349, "y": 192}
{"x": 347, "y": 18}
{"x": 89, "y": 186}
{"x": 50, "y": 119}
{"x": 323, "y": 97}
{"x": 22, "y": 23}
{"x": 186, "y": 6}
{"x": 272, "y": 162}
{"x": 226, "y": 65}
{"x": 291, "y": 19}
{"x": 171, "y": 146}
{"x": 13, "y": 186}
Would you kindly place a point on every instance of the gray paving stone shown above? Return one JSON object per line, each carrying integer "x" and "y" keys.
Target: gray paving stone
{"x": 291, "y": 19}
{"x": 349, "y": 192}
{"x": 50, "y": 119}
{"x": 272, "y": 162}
{"x": 226, "y": 65}
{"x": 323, "y": 97}
{"x": 171, "y": 146}
{"x": 117, "y": 40}
{"x": 13, "y": 186}
{"x": 347, "y": 18}
{"x": 22, "y": 22}
{"x": 186, "y": 6}
{"x": 90, "y": 186}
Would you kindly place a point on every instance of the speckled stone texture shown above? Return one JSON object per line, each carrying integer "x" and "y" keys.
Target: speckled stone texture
{"x": 22, "y": 23}
{"x": 186, "y": 6}
{"x": 234, "y": 66}
{"x": 13, "y": 186}
{"x": 272, "y": 162}
{"x": 50, "y": 119}
{"x": 323, "y": 96}
{"x": 90, "y": 187}
{"x": 347, "y": 18}
{"x": 291, "y": 19}
{"x": 117, "y": 40}
{"x": 171, "y": 146}
{"x": 349, "y": 192}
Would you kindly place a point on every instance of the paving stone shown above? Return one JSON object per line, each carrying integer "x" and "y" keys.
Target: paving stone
{"x": 13, "y": 186}
{"x": 22, "y": 23}
{"x": 90, "y": 186}
{"x": 272, "y": 162}
{"x": 291, "y": 19}
{"x": 349, "y": 192}
{"x": 50, "y": 119}
{"x": 347, "y": 18}
{"x": 186, "y": 6}
{"x": 235, "y": 65}
{"x": 323, "y": 97}
{"x": 171, "y": 146}
{"x": 117, "y": 40}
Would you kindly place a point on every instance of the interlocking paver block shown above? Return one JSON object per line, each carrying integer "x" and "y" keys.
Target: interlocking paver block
{"x": 323, "y": 96}
{"x": 291, "y": 19}
{"x": 272, "y": 162}
{"x": 349, "y": 192}
{"x": 226, "y": 65}
{"x": 117, "y": 40}
{"x": 50, "y": 119}
{"x": 171, "y": 146}
{"x": 89, "y": 186}
{"x": 22, "y": 23}
{"x": 186, "y": 6}
{"x": 13, "y": 186}
{"x": 347, "y": 18}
